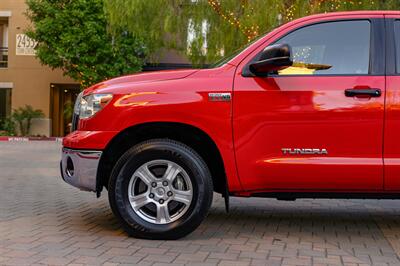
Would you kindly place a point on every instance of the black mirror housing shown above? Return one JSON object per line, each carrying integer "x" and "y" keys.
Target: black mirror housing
{"x": 273, "y": 58}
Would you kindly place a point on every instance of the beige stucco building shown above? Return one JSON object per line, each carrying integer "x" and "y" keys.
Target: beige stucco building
{"x": 24, "y": 81}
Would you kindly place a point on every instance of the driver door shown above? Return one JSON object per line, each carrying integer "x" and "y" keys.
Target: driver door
{"x": 296, "y": 129}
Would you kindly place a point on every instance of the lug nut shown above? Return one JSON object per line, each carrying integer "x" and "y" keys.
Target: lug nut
{"x": 169, "y": 193}
{"x": 154, "y": 184}
{"x": 161, "y": 201}
{"x": 165, "y": 183}
{"x": 151, "y": 195}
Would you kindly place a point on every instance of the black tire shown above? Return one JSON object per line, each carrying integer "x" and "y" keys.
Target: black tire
{"x": 160, "y": 149}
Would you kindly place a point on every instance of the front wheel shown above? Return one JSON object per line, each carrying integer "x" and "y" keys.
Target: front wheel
{"x": 160, "y": 189}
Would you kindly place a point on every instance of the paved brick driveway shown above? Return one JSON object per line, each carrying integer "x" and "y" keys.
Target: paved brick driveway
{"x": 44, "y": 221}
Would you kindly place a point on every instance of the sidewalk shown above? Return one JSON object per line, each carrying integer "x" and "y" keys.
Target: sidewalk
{"x": 44, "y": 221}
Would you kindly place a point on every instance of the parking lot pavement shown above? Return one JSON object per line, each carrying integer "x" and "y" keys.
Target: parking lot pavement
{"x": 44, "y": 221}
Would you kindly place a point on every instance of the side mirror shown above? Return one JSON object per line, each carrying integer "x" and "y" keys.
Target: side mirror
{"x": 273, "y": 58}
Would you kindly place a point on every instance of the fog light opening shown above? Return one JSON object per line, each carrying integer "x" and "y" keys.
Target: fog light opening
{"x": 69, "y": 170}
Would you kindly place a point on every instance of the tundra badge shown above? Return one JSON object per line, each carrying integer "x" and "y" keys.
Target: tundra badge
{"x": 288, "y": 151}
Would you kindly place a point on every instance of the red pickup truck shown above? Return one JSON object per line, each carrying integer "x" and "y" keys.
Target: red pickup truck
{"x": 312, "y": 109}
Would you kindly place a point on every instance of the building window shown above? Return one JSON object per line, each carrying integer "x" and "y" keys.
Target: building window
{"x": 197, "y": 36}
{"x": 3, "y": 42}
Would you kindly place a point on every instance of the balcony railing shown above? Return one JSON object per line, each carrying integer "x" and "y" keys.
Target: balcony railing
{"x": 3, "y": 57}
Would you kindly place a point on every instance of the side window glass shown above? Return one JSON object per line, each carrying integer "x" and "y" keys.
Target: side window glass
{"x": 331, "y": 48}
{"x": 397, "y": 41}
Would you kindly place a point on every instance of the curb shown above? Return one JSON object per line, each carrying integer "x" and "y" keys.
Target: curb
{"x": 27, "y": 139}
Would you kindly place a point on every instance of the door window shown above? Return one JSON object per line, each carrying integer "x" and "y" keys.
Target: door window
{"x": 397, "y": 41}
{"x": 331, "y": 48}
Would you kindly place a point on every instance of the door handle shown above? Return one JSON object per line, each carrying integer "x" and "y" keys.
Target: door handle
{"x": 363, "y": 92}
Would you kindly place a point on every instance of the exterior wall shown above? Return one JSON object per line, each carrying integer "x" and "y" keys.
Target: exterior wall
{"x": 167, "y": 56}
{"x": 31, "y": 81}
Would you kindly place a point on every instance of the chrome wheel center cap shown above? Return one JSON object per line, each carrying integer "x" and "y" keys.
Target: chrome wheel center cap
{"x": 160, "y": 191}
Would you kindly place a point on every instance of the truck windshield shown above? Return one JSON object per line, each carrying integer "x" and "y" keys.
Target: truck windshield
{"x": 228, "y": 58}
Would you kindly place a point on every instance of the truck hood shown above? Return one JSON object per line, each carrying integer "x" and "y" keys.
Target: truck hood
{"x": 143, "y": 78}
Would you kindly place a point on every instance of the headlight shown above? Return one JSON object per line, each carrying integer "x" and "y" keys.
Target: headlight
{"x": 87, "y": 106}
{"x": 77, "y": 105}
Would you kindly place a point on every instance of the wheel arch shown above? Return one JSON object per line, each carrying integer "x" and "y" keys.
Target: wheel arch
{"x": 190, "y": 135}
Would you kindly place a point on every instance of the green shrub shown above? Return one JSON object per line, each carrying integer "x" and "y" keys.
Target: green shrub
{"x": 23, "y": 117}
{"x": 7, "y": 127}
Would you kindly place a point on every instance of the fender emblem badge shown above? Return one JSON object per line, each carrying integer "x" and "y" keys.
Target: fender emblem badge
{"x": 219, "y": 97}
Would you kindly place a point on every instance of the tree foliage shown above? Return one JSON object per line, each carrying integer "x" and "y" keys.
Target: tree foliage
{"x": 73, "y": 35}
{"x": 229, "y": 23}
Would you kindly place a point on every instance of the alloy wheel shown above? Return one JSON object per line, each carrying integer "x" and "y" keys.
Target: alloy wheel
{"x": 160, "y": 191}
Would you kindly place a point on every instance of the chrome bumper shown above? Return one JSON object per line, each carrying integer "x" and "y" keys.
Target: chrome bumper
{"x": 79, "y": 168}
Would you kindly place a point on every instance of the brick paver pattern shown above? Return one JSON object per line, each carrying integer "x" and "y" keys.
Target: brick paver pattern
{"x": 44, "y": 221}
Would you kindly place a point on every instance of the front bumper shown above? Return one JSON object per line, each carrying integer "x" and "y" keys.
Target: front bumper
{"x": 79, "y": 168}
